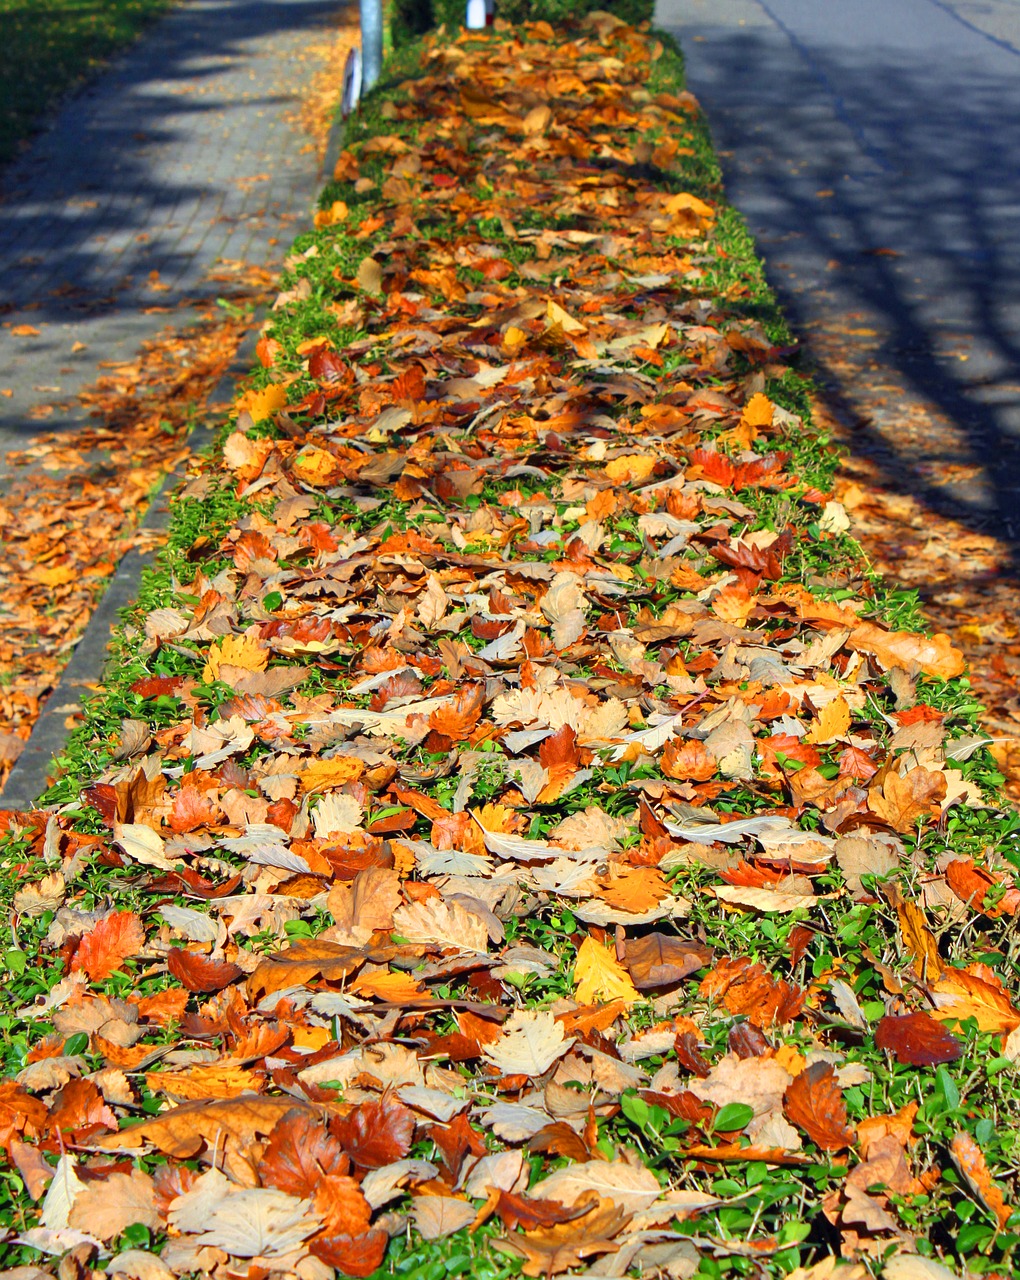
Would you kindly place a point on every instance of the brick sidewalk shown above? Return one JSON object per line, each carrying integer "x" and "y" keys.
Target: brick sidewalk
{"x": 181, "y": 156}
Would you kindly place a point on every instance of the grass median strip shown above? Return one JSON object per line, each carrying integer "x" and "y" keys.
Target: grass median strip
{"x": 520, "y": 835}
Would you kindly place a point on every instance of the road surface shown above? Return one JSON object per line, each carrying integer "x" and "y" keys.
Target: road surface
{"x": 874, "y": 149}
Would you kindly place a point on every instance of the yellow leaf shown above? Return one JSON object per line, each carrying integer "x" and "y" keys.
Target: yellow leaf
{"x": 919, "y": 940}
{"x": 323, "y": 775}
{"x": 337, "y": 212}
{"x": 683, "y": 202}
{"x": 631, "y": 468}
{"x": 395, "y": 987}
{"x": 556, "y": 317}
{"x": 263, "y": 404}
{"x": 315, "y": 467}
{"x": 246, "y": 652}
{"x": 832, "y": 723}
{"x": 207, "y": 1080}
{"x": 600, "y": 976}
{"x": 58, "y": 576}
{"x": 514, "y": 339}
{"x": 758, "y": 411}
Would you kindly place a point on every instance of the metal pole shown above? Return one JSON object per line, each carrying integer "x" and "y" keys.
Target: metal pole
{"x": 371, "y": 41}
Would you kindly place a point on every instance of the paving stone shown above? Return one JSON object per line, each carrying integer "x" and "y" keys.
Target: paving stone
{"x": 151, "y": 168}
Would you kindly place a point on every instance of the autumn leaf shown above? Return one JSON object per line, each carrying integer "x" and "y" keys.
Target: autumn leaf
{"x": 201, "y": 973}
{"x": 814, "y": 1103}
{"x": 530, "y": 1043}
{"x": 376, "y": 1133}
{"x": 598, "y": 975}
{"x": 905, "y": 801}
{"x": 933, "y": 655}
{"x": 970, "y": 1160}
{"x": 110, "y": 942}
{"x": 917, "y": 1039}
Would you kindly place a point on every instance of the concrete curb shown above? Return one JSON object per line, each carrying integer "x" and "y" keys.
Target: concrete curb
{"x": 30, "y": 775}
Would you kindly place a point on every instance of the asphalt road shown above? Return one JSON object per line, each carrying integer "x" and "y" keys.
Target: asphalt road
{"x": 874, "y": 149}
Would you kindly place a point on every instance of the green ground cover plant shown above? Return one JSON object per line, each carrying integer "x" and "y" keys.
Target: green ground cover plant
{"x": 49, "y": 47}
{"x": 519, "y": 834}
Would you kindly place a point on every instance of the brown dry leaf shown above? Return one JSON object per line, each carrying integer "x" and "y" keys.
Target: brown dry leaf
{"x": 904, "y": 802}
{"x": 182, "y": 1131}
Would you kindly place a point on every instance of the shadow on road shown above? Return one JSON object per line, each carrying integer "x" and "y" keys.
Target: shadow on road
{"x": 78, "y": 209}
{"x": 887, "y": 202}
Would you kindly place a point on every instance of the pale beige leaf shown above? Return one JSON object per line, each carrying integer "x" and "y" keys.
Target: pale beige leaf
{"x": 106, "y": 1208}
{"x": 440, "y": 1216}
{"x": 441, "y": 923}
{"x": 632, "y": 1187}
{"x": 532, "y": 1040}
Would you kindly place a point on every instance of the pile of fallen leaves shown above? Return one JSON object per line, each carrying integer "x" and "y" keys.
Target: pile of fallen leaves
{"x": 71, "y": 507}
{"x": 527, "y": 827}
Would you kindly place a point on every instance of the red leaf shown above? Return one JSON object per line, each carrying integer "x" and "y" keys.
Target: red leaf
{"x": 814, "y": 1103}
{"x": 112, "y": 939}
{"x": 376, "y": 1133}
{"x": 299, "y": 1154}
{"x": 917, "y": 1039}
{"x": 200, "y": 973}
{"x": 455, "y": 1140}
{"x": 157, "y": 686}
{"x": 352, "y": 1255}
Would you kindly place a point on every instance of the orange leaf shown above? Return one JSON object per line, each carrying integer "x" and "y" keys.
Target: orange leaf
{"x": 814, "y": 1102}
{"x": 970, "y": 1160}
{"x": 112, "y": 940}
{"x": 461, "y": 714}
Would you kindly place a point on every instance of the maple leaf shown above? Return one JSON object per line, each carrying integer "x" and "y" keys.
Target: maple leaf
{"x": 376, "y": 1133}
{"x": 530, "y": 1043}
{"x": 108, "y": 944}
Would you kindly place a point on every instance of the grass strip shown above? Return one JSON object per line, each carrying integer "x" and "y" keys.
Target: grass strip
{"x": 50, "y": 47}
{"x": 520, "y": 830}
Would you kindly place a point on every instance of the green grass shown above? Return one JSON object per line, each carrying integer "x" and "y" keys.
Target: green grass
{"x": 48, "y": 47}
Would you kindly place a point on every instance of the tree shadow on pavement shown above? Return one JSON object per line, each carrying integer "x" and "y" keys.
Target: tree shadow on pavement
{"x": 887, "y": 204}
